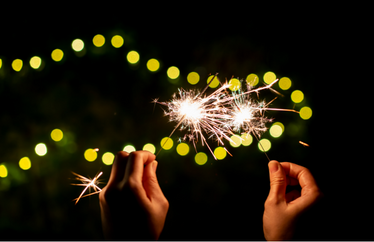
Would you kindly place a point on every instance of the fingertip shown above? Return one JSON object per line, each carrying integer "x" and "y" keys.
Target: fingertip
{"x": 273, "y": 166}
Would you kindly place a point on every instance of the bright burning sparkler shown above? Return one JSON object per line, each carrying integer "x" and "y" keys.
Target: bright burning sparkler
{"x": 87, "y": 183}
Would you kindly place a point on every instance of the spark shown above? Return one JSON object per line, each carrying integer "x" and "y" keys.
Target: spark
{"x": 304, "y": 144}
{"x": 87, "y": 183}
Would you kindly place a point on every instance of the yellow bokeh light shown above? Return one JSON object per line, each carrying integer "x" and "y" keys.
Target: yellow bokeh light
{"x": 98, "y": 40}
{"x": 183, "y": 149}
{"x": 153, "y": 65}
{"x": 108, "y": 158}
{"x": 252, "y": 79}
{"x": 297, "y": 96}
{"x": 247, "y": 139}
{"x": 167, "y": 143}
{"x": 173, "y": 72}
{"x": 3, "y": 171}
{"x": 214, "y": 83}
{"x": 276, "y": 130}
{"x": 220, "y": 153}
{"x": 193, "y": 78}
{"x": 35, "y": 62}
{"x": 57, "y": 55}
{"x": 234, "y": 84}
{"x": 269, "y": 77}
{"x": 57, "y": 135}
{"x": 150, "y": 147}
{"x": 117, "y": 41}
{"x": 1, "y": 63}
{"x": 236, "y": 140}
{"x": 25, "y": 163}
{"x": 77, "y": 45}
{"x": 264, "y": 145}
{"x": 285, "y": 83}
{"x": 133, "y": 57}
{"x": 17, "y": 64}
{"x": 90, "y": 155}
{"x": 41, "y": 149}
{"x": 306, "y": 113}
{"x": 129, "y": 148}
{"x": 201, "y": 158}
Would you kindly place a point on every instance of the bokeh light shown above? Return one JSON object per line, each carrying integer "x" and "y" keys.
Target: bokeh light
{"x": 90, "y": 155}
{"x": 220, "y": 153}
{"x": 173, "y": 72}
{"x": 133, "y": 57}
{"x": 1, "y": 63}
{"x": 41, "y": 149}
{"x": 201, "y": 158}
{"x": 3, "y": 171}
{"x": 252, "y": 79}
{"x": 236, "y": 141}
{"x": 98, "y": 40}
{"x": 193, "y": 78}
{"x": 305, "y": 113}
{"x": 117, "y": 41}
{"x": 167, "y": 143}
{"x": 57, "y": 55}
{"x": 234, "y": 84}
{"x": 77, "y": 45}
{"x": 264, "y": 145}
{"x": 269, "y": 77}
{"x": 17, "y": 64}
{"x": 108, "y": 158}
{"x": 149, "y": 147}
{"x": 214, "y": 83}
{"x": 247, "y": 139}
{"x": 35, "y": 62}
{"x": 297, "y": 96}
{"x": 183, "y": 149}
{"x": 129, "y": 148}
{"x": 153, "y": 65}
{"x": 276, "y": 130}
{"x": 285, "y": 83}
{"x": 25, "y": 163}
{"x": 57, "y": 135}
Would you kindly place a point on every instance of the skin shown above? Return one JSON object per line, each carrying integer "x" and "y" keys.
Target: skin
{"x": 133, "y": 207}
{"x": 282, "y": 210}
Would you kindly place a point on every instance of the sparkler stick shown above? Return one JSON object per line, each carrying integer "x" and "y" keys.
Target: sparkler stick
{"x": 88, "y": 183}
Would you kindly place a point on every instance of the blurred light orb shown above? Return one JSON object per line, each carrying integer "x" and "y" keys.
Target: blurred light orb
{"x": 220, "y": 153}
{"x": 252, "y": 79}
{"x": 57, "y": 135}
{"x": 77, "y": 45}
{"x": 297, "y": 96}
{"x": 264, "y": 145}
{"x": 1, "y": 63}
{"x": 269, "y": 77}
{"x": 167, "y": 143}
{"x": 24, "y": 163}
{"x": 90, "y": 155}
{"x": 3, "y": 171}
{"x": 129, "y": 148}
{"x": 234, "y": 84}
{"x": 41, "y": 149}
{"x": 108, "y": 158}
{"x": 35, "y": 62}
{"x": 214, "y": 83}
{"x": 285, "y": 83}
{"x": 173, "y": 72}
{"x": 193, "y": 78}
{"x": 57, "y": 55}
{"x": 98, "y": 40}
{"x": 133, "y": 57}
{"x": 247, "y": 139}
{"x": 149, "y": 147}
{"x": 17, "y": 64}
{"x": 153, "y": 65}
{"x": 276, "y": 130}
{"x": 305, "y": 113}
{"x": 236, "y": 141}
{"x": 117, "y": 41}
{"x": 201, "y": 158}
{"x": 183, "y": 149}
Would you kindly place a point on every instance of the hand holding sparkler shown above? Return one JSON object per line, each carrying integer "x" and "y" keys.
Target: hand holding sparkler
{"x": 133, "y": 205}
{"x": 281, "y": 209}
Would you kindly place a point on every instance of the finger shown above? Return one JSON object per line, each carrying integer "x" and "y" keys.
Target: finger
{"x": 150, "y": 182}
{"x": 300, "y": 173}
{"x": 118, "y": 167}
{"x": 135, "y": 165}
{"x": 278, "y": 181}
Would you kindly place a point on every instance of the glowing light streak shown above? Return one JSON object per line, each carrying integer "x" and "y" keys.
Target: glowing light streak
{"x": 88, "y": 184}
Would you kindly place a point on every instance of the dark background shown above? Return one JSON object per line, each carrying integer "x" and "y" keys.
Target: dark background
{"x": 99, "y": 100}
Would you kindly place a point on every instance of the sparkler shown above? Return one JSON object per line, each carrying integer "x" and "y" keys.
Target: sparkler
{"x": 87, "y": 183}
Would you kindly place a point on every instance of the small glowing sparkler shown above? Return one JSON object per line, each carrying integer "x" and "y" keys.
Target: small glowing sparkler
{"x": 87, "y": 183}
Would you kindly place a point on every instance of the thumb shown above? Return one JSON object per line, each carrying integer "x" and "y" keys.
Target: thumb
{"x": 278, "y": 181}
{"x": 150, "y": 181}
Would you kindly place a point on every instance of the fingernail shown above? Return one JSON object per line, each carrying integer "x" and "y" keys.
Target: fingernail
{"x": 273, "y": 166}
{"x": 154, "y": 165}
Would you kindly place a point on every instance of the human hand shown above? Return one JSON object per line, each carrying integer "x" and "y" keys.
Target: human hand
{"x": 281, "y": 209}
{"x": 132, "y": 204}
